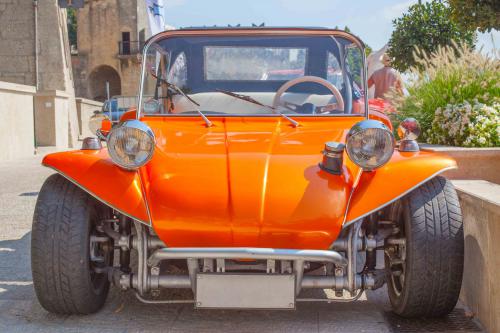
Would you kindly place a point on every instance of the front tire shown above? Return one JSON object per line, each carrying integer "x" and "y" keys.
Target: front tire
{"x": 65, "y": 278}
{"x": 425, "y": 273}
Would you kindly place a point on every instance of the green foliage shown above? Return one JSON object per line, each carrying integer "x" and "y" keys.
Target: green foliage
{"x": 466, "y": 125}
{"x": 476, "y": 14}
{"x": 368, "y": 50}
{"x": 72, "y": 26}
{"x": 426, "y": 26}
{"x": 451, "y": 75}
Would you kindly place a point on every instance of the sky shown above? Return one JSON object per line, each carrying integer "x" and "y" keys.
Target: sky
{"x": 369, "y": 19}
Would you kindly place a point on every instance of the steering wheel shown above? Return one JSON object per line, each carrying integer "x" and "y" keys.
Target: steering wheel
{"x": 295, "y": 107}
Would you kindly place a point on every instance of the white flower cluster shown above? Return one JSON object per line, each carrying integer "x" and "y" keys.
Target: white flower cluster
{"x": 467, "y": 125}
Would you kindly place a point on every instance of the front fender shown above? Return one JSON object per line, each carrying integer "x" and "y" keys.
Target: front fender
{"x": 403, "y": 173}
{"x": 95, "y": 173}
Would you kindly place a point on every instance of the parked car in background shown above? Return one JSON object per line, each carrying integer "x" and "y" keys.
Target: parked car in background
{"x": 116, "y": 106}
{"x": 252, "y": 189}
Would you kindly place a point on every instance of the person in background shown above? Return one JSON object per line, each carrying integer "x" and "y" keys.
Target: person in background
{"x": 385, "y": 78}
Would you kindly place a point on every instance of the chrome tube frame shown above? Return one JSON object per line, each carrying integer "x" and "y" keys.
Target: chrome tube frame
{"x": 151, "y": 251}
{"x": 272, "y": 31}
{"x": 307, "y": 282}
{"x": 298, "y": 257}
{"x": 247, "y": 253}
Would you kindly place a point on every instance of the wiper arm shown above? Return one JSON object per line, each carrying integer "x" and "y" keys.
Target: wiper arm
{"x": 250, "y": 99}
{"x": 180, "y": 91}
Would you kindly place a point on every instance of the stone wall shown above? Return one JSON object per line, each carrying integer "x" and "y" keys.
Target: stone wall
{"x": 473, "y": 163}
{"x": 52, "y": 48}
{"x": 17, "y": 123}
{"x": 100, "y": 25}
{"x": 17, "y": 42}
{"x": 85, "y": 109}
{"x": 17, "y": 45}
{"x": 480, "y": 202}
{"x": 52, "y": 119}
{"x": 131, "y": 71}
{"x": 18, "y": 54}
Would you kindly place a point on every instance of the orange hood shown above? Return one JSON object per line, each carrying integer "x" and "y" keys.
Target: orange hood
{"x": 251, "y": 181}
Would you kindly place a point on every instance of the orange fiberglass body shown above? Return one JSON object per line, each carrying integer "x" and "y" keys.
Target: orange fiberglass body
{"x": 254, "y": 167}
{"x": 246, "y": 182}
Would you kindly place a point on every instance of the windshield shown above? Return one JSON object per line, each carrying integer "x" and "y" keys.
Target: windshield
{"x": 319, "y": 75}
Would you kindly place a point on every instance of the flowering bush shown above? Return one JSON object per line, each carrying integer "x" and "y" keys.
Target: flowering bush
{"x": 476, "y": 125}
{"x": 444, "y": 80}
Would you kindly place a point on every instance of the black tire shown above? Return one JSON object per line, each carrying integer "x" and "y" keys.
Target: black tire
{"x": 431, "y": 221}
{"x": 60, "y": 249}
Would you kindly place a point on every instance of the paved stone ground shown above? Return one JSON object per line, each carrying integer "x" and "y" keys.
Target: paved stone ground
{"x": 20, "y": 182}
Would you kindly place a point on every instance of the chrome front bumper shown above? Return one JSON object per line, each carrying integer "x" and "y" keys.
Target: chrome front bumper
{"x": 247, "y": 253}
{"x": 253, "y": 275}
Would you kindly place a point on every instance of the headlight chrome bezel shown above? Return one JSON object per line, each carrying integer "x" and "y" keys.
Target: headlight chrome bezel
{"x": 360, "y": 128}
{"x": 125, "y": 126}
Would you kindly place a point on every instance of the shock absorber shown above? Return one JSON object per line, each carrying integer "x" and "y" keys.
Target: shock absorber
{"x": 124, "y": 227}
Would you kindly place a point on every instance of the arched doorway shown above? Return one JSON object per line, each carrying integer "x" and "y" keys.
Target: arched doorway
{"x": 97, "y": 82}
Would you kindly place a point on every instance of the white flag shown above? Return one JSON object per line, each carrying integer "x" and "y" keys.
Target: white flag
{"x": 156, "y": 15}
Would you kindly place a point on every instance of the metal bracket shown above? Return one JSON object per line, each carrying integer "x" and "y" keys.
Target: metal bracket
{"x": 221, "y": 265}
{"x": 155, "y": 287}
{"x": 286, "y": 267}
{"x": 193, "y": 269}
{"x": 208, "y": 265}
{"x": 271, "y": 266}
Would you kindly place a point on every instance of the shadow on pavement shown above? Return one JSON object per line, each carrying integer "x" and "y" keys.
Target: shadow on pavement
{"x": 456, "y": 321}
{"x": 15, "y": 273}
{"x": 21, "y": 312}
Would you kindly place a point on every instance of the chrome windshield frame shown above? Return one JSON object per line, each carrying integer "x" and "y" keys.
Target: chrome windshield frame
{"x": 246, "y": 32}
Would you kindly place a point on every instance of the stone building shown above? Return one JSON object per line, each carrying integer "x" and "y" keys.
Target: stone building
{"x": 17, "y": 42}
{"x": 35, "y": 61}
{"x": 110, "y": 36}
{"x": 27, "y": 25}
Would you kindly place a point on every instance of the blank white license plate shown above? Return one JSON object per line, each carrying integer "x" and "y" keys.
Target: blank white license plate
{"x": 245, "y": 291}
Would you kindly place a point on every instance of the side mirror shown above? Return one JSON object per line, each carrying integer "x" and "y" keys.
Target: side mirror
{"x": 100, "y": 125}
{"x": 408, "y": 131}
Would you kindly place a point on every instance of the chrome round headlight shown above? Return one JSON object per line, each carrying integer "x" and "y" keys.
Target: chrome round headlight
{"x": 131, "y": 144}
{"x": 370, "y": 144}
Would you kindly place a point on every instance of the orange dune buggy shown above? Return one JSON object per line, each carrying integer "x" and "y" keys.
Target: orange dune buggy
{"x": 253, "y": 165}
